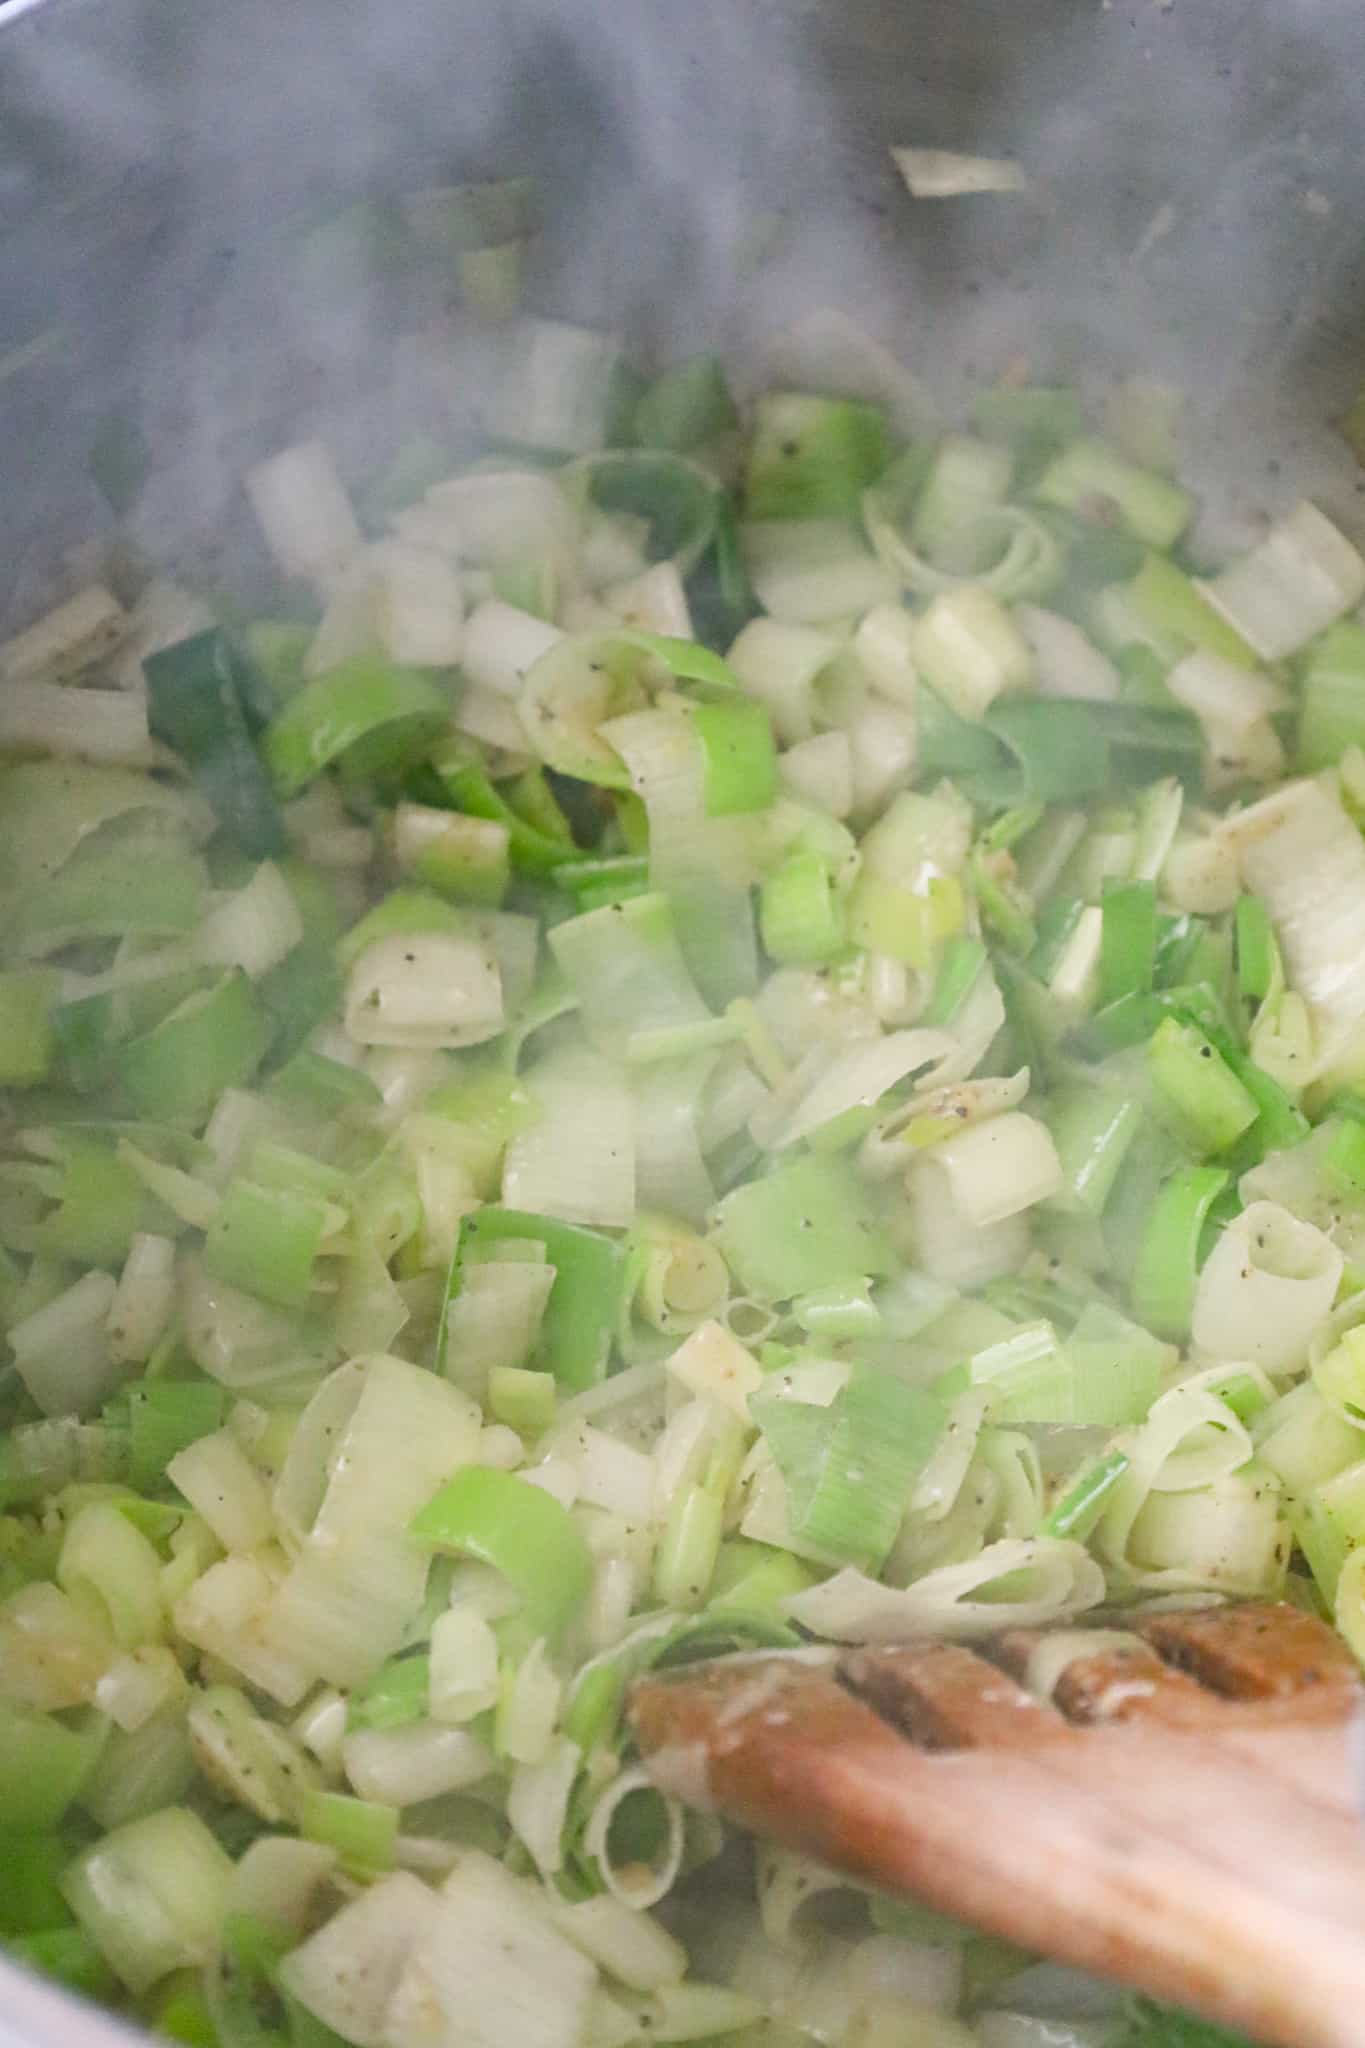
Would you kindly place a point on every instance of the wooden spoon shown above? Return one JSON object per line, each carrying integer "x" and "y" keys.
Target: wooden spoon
{"x": 1183, "y": 1813}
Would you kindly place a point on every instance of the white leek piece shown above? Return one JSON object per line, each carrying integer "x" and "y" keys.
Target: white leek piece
{"x": 403, "y": 1766}
{"x": 1265, "y": 1288}
{"x": 1050, "y": 1580}
{"x": 968, "y": 648}
{"x": 144, "y": 1300}
{"x": 425, "y": 990}
{"x": 997, "y": 1169}
{"x": 951, "y": 173}
{"x": 494, "y": 516}
{"x": 490, "y": 1968}
{"x": 463, "y": 1676}
{"x": 151, "y": 1895}
{"x": 1304, "y": 574}
{"x": 225, "y": 1614}
{"x": 556, "y": 391}
{"x": 859, "y": 1077}
{"x": 813, "y": 572}
{"x": 577, "y": 1160}
{"x": 654, "y": 601}
{"x": 635, "y": 1883}
{"x": 781, "y": 665}
{"x": 713, "y": 1363}
{"x": 346, "y": 1973}
{"x": 221, "y": 1484}
{"x": 826, "y": 351}
{"x": 84, "y": 630}
{"x": 628, "y": 1945}
{"x": 819, "y": 771}
{"x": 305, "y": 512}
{"x": 61, "y": 1353}
{"x": 418, "y": 604}
{"x": 255, "y": 928}
{"x": 1300, "y": 851}
{"x": 1069, "y": 663}
{"x": 95, "y": 725}
{"x": 501, "y": 643}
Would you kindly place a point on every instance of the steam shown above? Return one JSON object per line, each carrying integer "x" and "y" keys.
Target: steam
{"x": 708, "y": 171}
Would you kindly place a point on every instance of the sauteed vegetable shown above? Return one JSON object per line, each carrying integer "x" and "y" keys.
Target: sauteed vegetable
{"x": 735, "y": 1024}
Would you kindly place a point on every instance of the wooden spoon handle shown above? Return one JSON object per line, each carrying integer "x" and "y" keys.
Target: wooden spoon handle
{"x": 1147, "y": 1852}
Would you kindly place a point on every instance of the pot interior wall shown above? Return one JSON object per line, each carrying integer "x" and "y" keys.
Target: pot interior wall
{"x": 705, "y": 172}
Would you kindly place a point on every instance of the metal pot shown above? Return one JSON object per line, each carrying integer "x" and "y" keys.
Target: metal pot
{"x": 705, "y": 170}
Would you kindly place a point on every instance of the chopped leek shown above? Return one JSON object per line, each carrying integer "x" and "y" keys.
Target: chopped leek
{"x": 715, "y": 1053}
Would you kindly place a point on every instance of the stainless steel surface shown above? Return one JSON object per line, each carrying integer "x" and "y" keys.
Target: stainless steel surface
{"x": 1201, "y": 189}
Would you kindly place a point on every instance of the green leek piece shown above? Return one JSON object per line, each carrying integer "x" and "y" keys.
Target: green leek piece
{"x": 179, "y": 2011}
{"x": 164, "y": 1416}
{"x": 1116, "y": 1366}
{"x": 278, "y": 648}
{"x": 801, "y": 914}
{"x": 1127, "y": 941}
{"x": 265, "y": 1241}
{"x": 839, "y": 1314}
{"x": 28, "y": 997}
{"x": 808, "y": 1224}
{"x": 43, "y": 1764}
{"x": 1179, "y": 617}
{"x": 1026, "y": 1376}
{"x": 959, "y": 967}
{"x": 678, "y": 499}
{"x": 1168, "y": 1254}
{"x": 198, "y": 694}
{"x": 327, "y": 1088}
{"x": 100, "y": 1204}
{"x": 538, "y": 834}
{"x": 958, "y": 493}
{"x": 1279, "y": 1121}
{"x": 753, "y": 1578}
{"x": 739, "y": 756}
{"x": 1057, "y": 923}
{"x": 394, "y": 1697}
{"x": 812, "y": 458}
{"x": 214, "y": 1040}
{"x": 850, "y": 1468}
{"x": 1208, "y": 1104}
{"x": 685, "y": 407}
{"x": 689, "y": 1545}
{"x": 1089, "y": 473}
{"x": 368, "y": 713}
{"x": 69, "y": 1956}
{"x": 364, "y": 1832}
{"x": 1080, "y": 1507}
{"x": 1092, "y": 1127}
{"x": 400, "y": 914}
{"x": 522, "y": 1532}
{"x": 138, "y": 880}
{"x": 523, "y": 1399}
{"x": 720, "y": 595}
{"x": 30, "y": 1896}
{"x": 1332, "y": 698}
{"x": 1004, "y": 907}
{"x": 490, "y": 1105}
{"x": 902, "y": 923}
{"x": 575, "y": 1335}
{"x": 1257, "y": 952}
{"x": 1343, "y": 1163}
{"x": 467, "y": 859}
